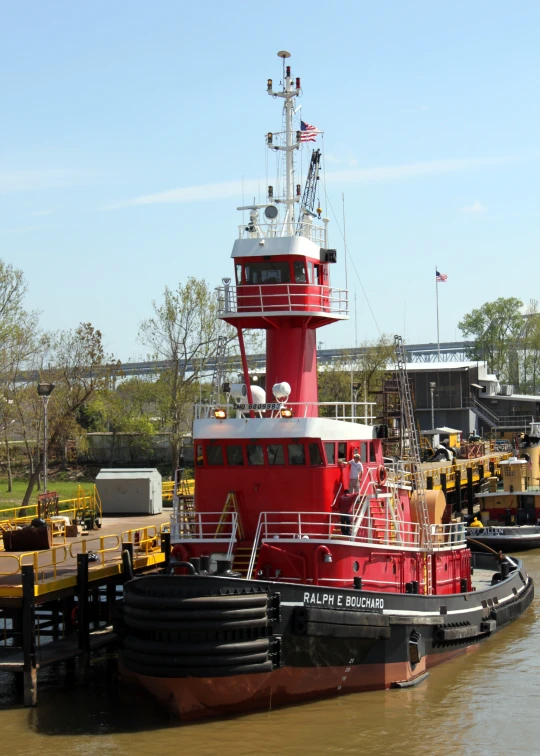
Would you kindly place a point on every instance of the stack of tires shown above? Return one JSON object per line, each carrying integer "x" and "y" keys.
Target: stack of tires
{"x": 167, "y": 633}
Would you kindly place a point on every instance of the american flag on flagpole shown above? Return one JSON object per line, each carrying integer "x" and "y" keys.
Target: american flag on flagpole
{"x": 308, "y": 133}
{"x": 440, "y": 277}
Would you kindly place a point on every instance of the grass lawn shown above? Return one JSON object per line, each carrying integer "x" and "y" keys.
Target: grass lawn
{"x": 64, "y": 489}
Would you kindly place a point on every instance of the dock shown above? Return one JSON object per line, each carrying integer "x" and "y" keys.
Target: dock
{"x": 57, "y": 604}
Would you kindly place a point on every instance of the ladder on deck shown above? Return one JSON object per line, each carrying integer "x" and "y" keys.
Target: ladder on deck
{"x": 231, "y": 505}
{"x": 411, "y": 451}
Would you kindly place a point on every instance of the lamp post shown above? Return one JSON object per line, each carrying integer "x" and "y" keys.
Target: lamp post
{"x": 432, "y": 386}
{"x": 44, "y": 391}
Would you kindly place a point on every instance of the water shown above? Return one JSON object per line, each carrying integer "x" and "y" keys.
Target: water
{"x": 483, "y": 703}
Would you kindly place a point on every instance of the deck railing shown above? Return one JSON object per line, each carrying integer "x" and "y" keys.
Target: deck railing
{"x": 367, "y": 530}
{"x": 272, "y": 298}
{"x": 205, "y": 527}
{"x": 354, "y": 412}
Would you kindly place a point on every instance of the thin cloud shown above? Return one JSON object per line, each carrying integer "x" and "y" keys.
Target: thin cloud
{"x": 475, "y": 209}
{"x": 232, "y": 189}
{"x": 24, "y": 181}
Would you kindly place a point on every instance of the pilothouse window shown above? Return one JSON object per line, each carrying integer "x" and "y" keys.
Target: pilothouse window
{"x": 299, "y": 272}
{"x": 235, "y": 456}
{"x": 214, "y": 454}
{"x": 296, "y": 454}
{"x": 330, "y": 450}
{"x": 267, "y": 273}
{"x": 315, "y": 456}
{"x": 255, "y": 454}
{"x": 276, "y": 454}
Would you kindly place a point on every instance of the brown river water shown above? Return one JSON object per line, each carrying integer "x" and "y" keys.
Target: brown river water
{"x": 487, "y": 702}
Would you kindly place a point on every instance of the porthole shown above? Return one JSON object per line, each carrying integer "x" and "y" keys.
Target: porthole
{"x": 356, "y": 566}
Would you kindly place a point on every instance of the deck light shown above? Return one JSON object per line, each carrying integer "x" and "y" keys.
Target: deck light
{"x": 220, "y": 414}
{"x": 286, "y": 413}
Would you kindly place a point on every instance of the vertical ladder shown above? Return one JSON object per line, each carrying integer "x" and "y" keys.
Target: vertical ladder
{"x": 411, "y": 451}
{"x": 218, "y": 369}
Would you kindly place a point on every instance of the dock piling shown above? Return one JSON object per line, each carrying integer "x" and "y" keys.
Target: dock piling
{"x": 83, "y": 615}
{"x": 29, "y": 636}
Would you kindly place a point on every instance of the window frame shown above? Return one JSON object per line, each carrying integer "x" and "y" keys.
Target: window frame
{"x": 217, "y": 446}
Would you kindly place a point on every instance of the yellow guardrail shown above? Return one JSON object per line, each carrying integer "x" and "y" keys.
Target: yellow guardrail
{"x": 82, "y": 501}
{"x": 102, "y": 548}
{"x": 145, "y": 539}
{"x": 186, "y": 488}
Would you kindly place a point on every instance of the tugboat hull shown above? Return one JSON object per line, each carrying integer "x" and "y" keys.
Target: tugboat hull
{"x": 261, "y": 644}
{"x": 506, "y": 539}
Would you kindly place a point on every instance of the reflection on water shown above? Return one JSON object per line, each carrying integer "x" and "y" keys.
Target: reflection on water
{"x": 482, "y": 703}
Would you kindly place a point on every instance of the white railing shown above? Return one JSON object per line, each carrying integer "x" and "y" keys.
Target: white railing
{"x": 367, "y": 530}
{"x": 349, "y": 411}
{"x": 205, "y": 527}
{"x": 274, "y": 230}
{"x": 272, "y": 298}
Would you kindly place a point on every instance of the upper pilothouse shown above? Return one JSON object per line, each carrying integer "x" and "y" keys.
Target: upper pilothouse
{"x": 282, "y": 278}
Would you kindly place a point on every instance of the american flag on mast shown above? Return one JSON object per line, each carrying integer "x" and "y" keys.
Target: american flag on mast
{"x": 440, "y": 277}
{"x": 308, "y": 133}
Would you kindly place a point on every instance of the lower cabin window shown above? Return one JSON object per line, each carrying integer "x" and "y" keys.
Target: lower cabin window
{"x": 276, "y": 454}
{"x": 235, "y": 455}
{"x": 330, "y": 450}
{"x": 255, "y": 454}
{"x": 315, "y": 456}
{"x": 342, "y": 450}
{"x": 296, "y": 454}
{"x": 214, "y": 454}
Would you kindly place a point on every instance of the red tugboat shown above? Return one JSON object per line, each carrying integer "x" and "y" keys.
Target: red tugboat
{"x": 292, "y": 579}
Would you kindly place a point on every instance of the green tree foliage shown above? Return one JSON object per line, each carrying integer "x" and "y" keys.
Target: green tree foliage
{"x": 78, "y": 366}
{"x": 183, "y": 332}
{"x": 356, "y": 376}
{"x": 496, "y": 328}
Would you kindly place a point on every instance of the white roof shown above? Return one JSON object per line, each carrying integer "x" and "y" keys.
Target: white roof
{"x": 444, "y": 429}
{"x": 324, "y": 428}
{"x": 277, "y": 245}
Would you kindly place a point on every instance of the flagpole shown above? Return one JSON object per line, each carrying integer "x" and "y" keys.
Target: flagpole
{"x": 437, "y": 300}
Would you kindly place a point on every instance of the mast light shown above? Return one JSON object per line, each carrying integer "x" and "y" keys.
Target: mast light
{"x": 298, "y": 187}
{"x": 270, "y": 192}
{"x": 298, "y": 136}
{"x": 288, "y": 72}
{"x": 269, "y": 85}
{"x": 298, "y": 82}
{"x": 269, "y": 137}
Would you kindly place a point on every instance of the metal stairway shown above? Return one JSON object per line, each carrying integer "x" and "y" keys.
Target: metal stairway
{"x": 411, "y": 453}
{"x": 483, "y": 413}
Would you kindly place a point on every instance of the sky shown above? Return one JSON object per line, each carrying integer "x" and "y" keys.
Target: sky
{"x": 128, "y": 128}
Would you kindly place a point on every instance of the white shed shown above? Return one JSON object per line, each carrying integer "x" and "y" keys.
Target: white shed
{"x": 130, "y": 491}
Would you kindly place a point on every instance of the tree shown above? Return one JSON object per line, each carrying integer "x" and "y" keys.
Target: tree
{"x": 78, "y": 366}
{"x": 363, "y": 371}
{"x": 496, "y": 328}
{"x": 19, "y": 341}
{"x": 184, "y": 332}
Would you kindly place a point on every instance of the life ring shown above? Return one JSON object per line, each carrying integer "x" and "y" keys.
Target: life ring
{"x": 382, "y": 475}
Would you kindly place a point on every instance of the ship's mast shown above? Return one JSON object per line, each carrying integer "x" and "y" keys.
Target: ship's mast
{"x": 291, "y": 89}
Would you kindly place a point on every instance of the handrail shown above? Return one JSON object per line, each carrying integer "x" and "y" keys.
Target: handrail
{"x": 282, "y": 297}
{"x": 102, "y": 550}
